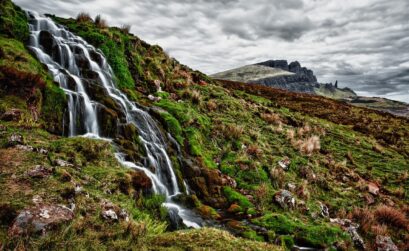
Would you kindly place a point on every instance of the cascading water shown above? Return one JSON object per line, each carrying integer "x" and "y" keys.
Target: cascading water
{"x": 63, "y": 63}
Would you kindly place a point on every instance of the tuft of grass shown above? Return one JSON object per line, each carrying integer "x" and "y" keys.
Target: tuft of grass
{"x": 84, "y": 17}
{"x": 100, "y": 22}
{"x": 391, "y": 216}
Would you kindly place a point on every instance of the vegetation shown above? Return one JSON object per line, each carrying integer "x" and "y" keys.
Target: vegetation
{"x": 246, "y": 144}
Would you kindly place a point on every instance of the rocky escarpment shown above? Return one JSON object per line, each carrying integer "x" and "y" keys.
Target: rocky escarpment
{"x": 280, "y": 74}
{"x": 302, "y": 79}
{"x": 301, "y": 74}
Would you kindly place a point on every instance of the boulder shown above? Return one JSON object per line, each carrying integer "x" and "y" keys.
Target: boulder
{"x": 140, "y": 181}
{"x": 15, "y": 139}
{"x": 46, "y": 41}
{"x": 111, "y": 212}
{"x": 385, "y": 243}
{"x": 40, "y": 219}
{"x": 11, "y": 115}
{"x": 373, "y": 188}
{"x": 352, "y": 229}
{"x": 285, "y": 199}
{"x": 62, "y": 163}
{"x": 39, "y": 172}
{"x": 284, "y": 163}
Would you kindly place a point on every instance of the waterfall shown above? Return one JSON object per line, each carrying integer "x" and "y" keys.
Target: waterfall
{"x": 63, "y": 60}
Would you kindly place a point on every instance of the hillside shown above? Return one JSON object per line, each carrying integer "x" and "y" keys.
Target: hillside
{"x": 273, "y": 168}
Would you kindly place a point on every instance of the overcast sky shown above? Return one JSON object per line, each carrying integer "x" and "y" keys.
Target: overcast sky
{"x": 363, "y": 44}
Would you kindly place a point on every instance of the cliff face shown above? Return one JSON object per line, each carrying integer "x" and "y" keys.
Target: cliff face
{"x": 302, "y": 74}
{"x": 280, "y": 74}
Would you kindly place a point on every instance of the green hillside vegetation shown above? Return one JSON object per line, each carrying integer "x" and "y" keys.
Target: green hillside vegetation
{"x": 332, "y": 153}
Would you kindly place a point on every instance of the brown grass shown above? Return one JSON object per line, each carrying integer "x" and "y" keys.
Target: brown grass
{"x": 126, "y": 28}
{"x": 277, "y": 176}
{"x": 211, "y": 105}
{"x": 386, "y": 128}
{"x": 310, "y": 145}
{"x": 254, "y": 151}
{"x": 100, "y": 22}
{"x": 391, "y": 216}
{"x": 271, "y": 118}
{"x": 84, "y": 17}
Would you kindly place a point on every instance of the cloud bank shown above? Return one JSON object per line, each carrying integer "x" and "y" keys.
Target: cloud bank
{"x": 362, "y": 44}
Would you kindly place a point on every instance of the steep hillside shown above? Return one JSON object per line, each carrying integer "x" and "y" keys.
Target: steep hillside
{"x": 265, "y": 164}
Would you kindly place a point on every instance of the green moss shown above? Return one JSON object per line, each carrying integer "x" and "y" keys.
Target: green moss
{"x": 236, "y": 197}
{"x": 252, "y": 235}
{"x": 13, "y": 21}
{"x": 54, "y": 107}
{"x": 173, "y": 126}
{"x": 314, "y": 234}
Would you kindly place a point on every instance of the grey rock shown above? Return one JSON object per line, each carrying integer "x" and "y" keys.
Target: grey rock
{"x": 285, "y": 199}
{"x": 39, "y": 219}
{"x": 385, "y": 243}
{"x": 62, "y": 163}
{"x": 15, "y": 139}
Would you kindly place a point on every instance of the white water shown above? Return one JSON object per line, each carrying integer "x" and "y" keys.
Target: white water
{"x": 62, "y": 63}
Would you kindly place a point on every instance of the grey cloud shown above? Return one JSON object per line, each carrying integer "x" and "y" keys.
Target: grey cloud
{"x": 363, "y": 44}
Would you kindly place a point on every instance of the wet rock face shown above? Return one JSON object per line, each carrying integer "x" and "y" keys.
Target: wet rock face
{"x": 40, "y": 219}
{"x": 140, "y": 181}
{"x": 46, "y": 41}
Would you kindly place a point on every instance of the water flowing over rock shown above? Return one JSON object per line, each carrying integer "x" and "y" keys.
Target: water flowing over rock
{"x": 88, "y": 81}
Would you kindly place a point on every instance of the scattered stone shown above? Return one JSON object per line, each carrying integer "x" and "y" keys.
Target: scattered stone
{"x": 385, "y": 243}
{"x": 39, "y": 219}
{"x": 284, "y": 163}
{"x": 324, "y": 210}
{"x": 373, "y": 188}
{"x": 285, "y": 199}
{"x": 78, "y": 189}
{"x": 25, "y": 148}
{"x": 39, "y": 172}
{"x": 41, "y": 150}
{"x": 291, "y": 187}
{"x": 37, "y": 199}
{"x": 62, "y": 163}
{"x": 112, "y": 212}
{"x": 352, "y": 229}
{"x": 153, "y": 98}
{"x": 11, "y": 115}
{"x": 15, "y": 139}
{"x": 109, "y": 214}
{"x": 124, "y": 215}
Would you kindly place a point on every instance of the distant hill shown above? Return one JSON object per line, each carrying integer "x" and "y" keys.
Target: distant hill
{"x": 280, "y": 74}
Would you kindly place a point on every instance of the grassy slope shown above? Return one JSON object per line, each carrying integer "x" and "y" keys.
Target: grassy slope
{"x": 96, "y": 170}
{"x": 244, "y": 132}
{"x": 226, "y": 127}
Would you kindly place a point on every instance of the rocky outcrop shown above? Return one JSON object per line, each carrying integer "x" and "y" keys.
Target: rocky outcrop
{"x": 40, "y": 219}
{"x": 301, "y": 74}
{"x": 207, "y": 183}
